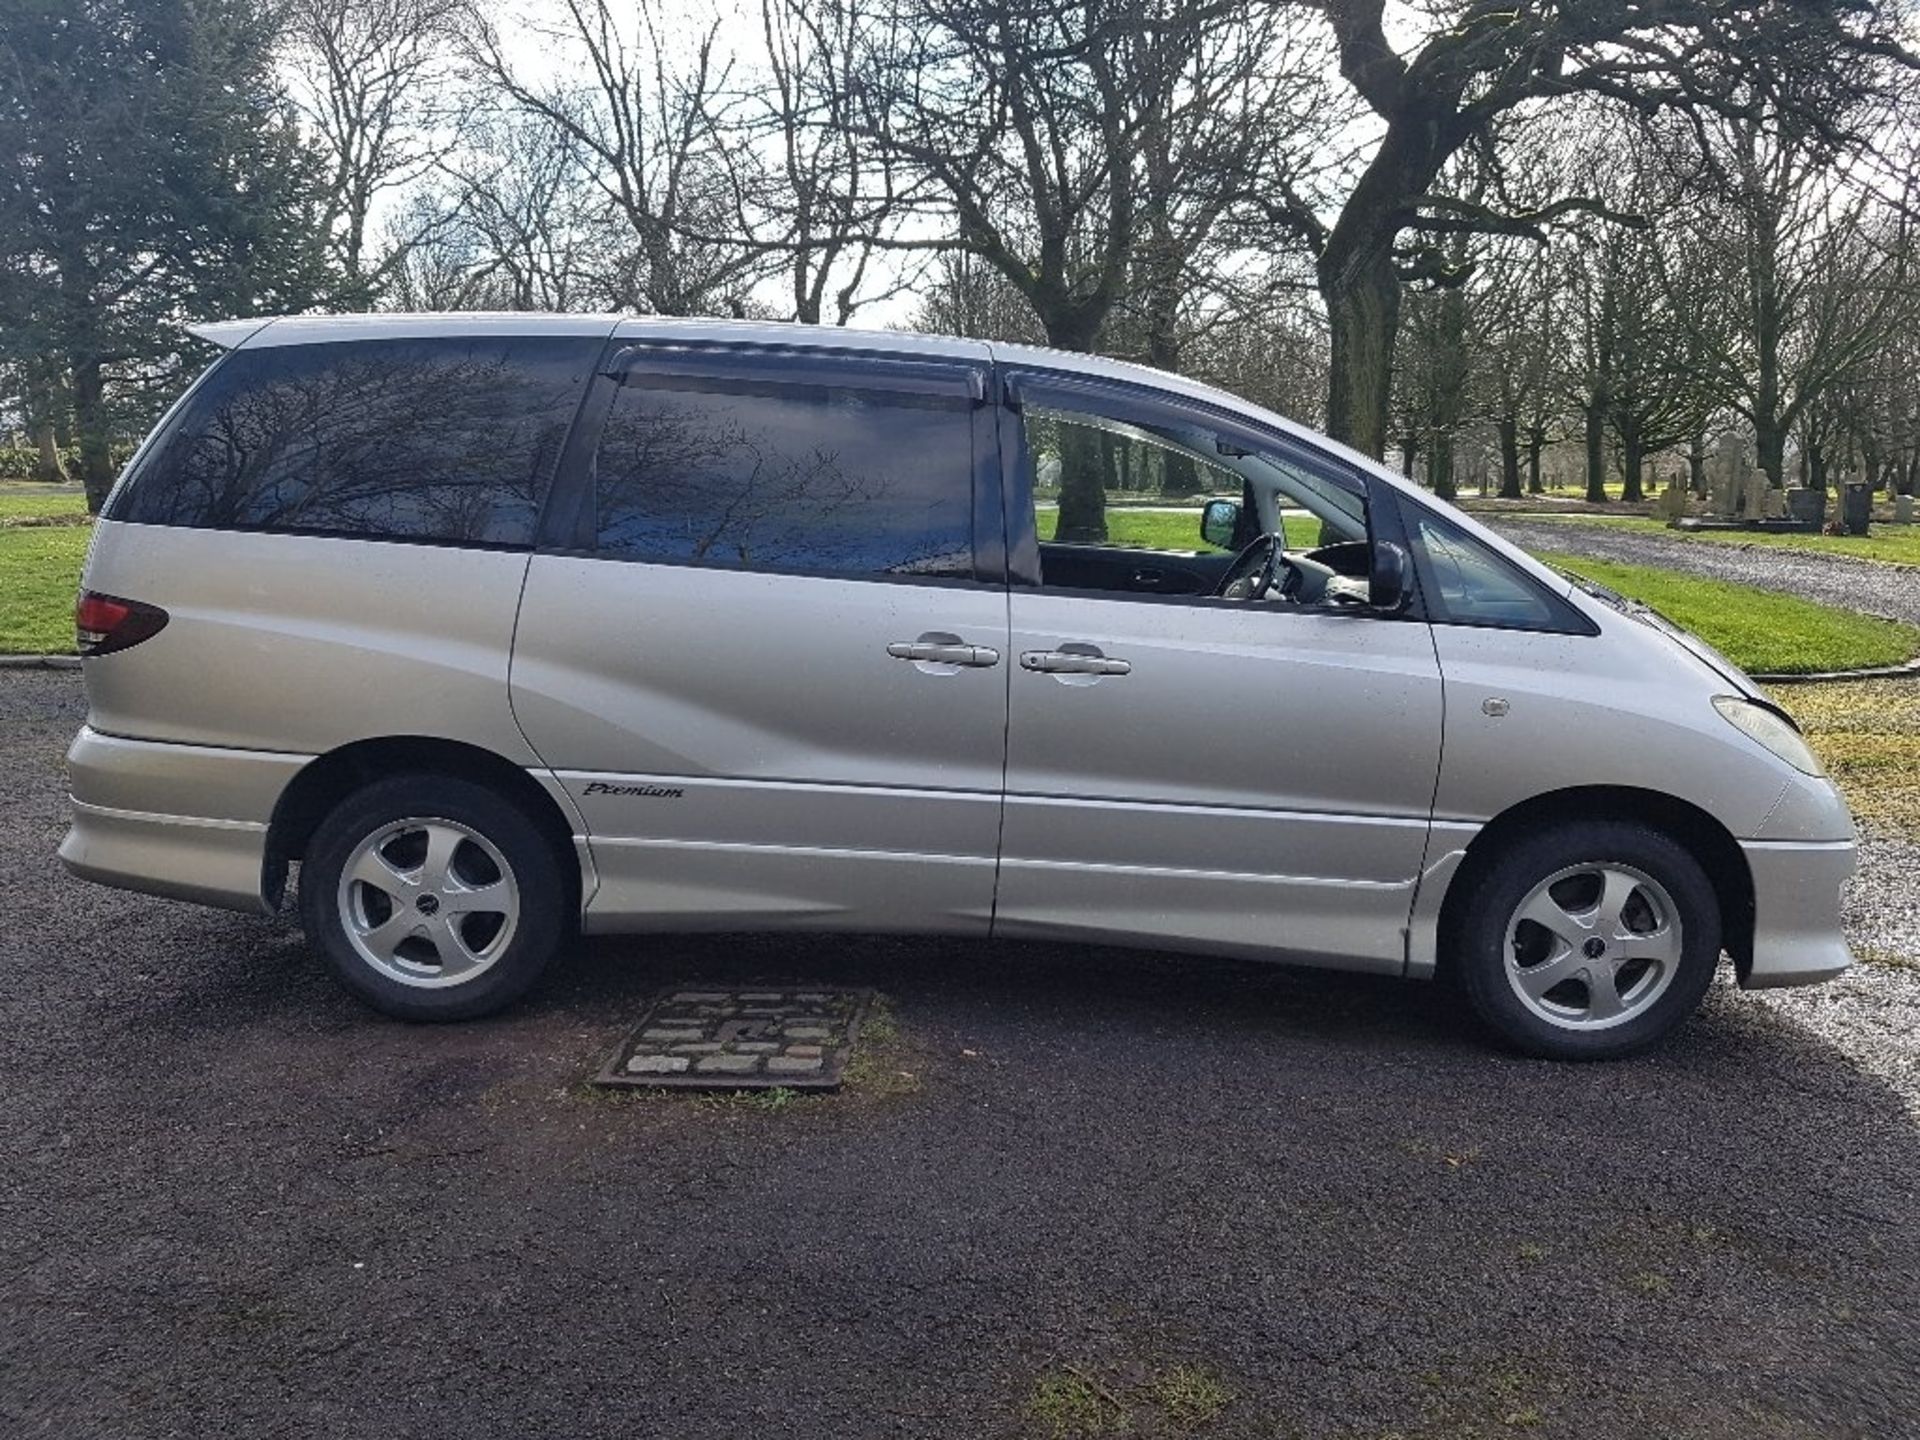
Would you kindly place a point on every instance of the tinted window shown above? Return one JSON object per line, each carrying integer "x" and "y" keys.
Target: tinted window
{"x": 818, "y": 479}
{"x": 440, "y": 439}
{"x": 1474, "y": 585}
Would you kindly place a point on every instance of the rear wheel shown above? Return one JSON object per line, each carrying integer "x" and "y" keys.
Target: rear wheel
{"x": 1589, "y": 941}
{"x": 432, "y": 898}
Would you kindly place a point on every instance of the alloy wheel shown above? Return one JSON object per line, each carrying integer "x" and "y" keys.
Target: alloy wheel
{"x": 428, "y": 902}
{"x": 1593, "y": 946}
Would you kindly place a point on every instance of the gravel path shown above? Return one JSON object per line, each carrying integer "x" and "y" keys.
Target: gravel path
{"x": 1838, "y": 580}
{"x": 234, "y": 1203}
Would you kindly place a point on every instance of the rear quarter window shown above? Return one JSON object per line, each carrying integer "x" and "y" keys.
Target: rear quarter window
{"x": 450, "y": 439}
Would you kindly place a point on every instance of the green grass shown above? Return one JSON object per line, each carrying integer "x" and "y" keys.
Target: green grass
{"x": 1072, "y": 1403}
{"x": 1574, "y": 490}
{"x": 1898, "y": 544}
{"x": 15, "y": 507}
{"x": 1190, "y": 1395}
{"x": 882, "y": 1064}
{"x": 1177, "y": 531}
{"x": 39, "y": 573}
{"x": 1149, "y": 531}
{"x": 1756, "y": 629}
{"x": 1067, "y": 1405}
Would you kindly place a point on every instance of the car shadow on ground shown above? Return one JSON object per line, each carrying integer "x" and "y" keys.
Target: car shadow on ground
{"x": 252, "y": 970}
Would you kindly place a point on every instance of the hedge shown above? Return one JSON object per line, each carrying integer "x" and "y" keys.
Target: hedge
{"x": 17, "y": 461}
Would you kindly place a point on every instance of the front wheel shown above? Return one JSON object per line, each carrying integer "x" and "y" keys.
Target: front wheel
{"x": 433, "y": 898}
{"x": 1589, "y": 941}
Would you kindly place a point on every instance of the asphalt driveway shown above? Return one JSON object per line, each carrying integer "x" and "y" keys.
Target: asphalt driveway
{"x": 234, "y": 1203}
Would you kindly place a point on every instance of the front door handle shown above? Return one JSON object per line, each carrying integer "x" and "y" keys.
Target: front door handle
{"x": 1073, "y": 662}
{"x": 944, "y": 650}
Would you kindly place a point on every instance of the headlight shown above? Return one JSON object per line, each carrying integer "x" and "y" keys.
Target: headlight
{"x": 1757, "y": 722}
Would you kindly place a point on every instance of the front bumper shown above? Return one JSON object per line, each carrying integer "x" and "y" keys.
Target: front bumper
{"x": 185, "y": 821}
{"x": 1796, "y": 912}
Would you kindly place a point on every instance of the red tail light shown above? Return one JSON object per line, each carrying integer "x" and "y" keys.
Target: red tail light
{"x": 103, "y": 624}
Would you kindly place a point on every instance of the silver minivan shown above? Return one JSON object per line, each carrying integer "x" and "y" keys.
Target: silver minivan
{"x": 496, "y": 629}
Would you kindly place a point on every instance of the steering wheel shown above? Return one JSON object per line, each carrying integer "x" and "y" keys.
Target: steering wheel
{"x": 1254, "y": 571}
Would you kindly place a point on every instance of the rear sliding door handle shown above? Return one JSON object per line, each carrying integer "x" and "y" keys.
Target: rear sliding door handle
{"x": 945, "y": 652}
{"x": 1073, "y": 662}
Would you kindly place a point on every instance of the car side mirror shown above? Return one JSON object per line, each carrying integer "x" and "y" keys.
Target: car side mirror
{"x": 1391, "y": 587}
{"x": 1220, "y": 522}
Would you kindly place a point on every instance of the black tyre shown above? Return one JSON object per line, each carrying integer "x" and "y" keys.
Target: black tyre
{"x": 433, "y": 898}
{"x": 1588, "y": 941}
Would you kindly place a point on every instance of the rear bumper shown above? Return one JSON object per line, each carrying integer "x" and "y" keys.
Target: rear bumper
{"x": 185, "y": 821}
{"x": 212, "y": 862}
{"x": 1796, "y": 913}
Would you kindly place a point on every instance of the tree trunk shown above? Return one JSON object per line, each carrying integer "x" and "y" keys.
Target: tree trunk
{"x": 1163, "y": 317}
{"x": 1816, "y": 460}
{"x": 1697, "y": 463}
{"x": 1597, "y": 452}
{"x": 1113, "y": 463}
{"x": 1440, "y": 465}
{"x": 1536, "y": 442}
{"x": 1509, "y": 459}
{"x": 1632, "y": 465}
{"x": 1083, "y": 491}
{"x": 43, "y": 412}
{"x": 48, "y": 466}
{"x": 90, "y": 425}
{"x": 1363, "y": 314}
{"x": 1180, "y": 477}
{"x": 1770, "y": 450}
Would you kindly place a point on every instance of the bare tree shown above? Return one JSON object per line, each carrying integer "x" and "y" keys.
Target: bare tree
{"x": 1081, "y": 148}
{"x": 1523, "y": 349}
{"x": 1792, "y": 236}
{"x": 514, "y": 224}
{"x": 1471, "y": 63}
{"x": 961, "y": 294}
{"x": 370, "y": 79}
{"x": 1224, "y": 111}
{"x": 1875, "y": 406}
{"x": 813, "y": 188}
{"x": 645, "y": 121}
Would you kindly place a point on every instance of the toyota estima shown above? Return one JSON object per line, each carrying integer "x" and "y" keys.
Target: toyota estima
{"x": 503, "y": 628}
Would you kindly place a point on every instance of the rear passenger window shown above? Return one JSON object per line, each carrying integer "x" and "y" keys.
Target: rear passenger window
{"x": 796, "y": 478}
{"x": 448, "y": 439}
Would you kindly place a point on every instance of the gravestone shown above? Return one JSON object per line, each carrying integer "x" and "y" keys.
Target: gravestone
{"x": 1725, "y": 492}
{"x": 1773, "y": 505}
{"x": 1755, "y": 491}
{"x": 1903, "y": 509}
{"x": 1856, "y": 507}
{"x": 1807, "y": 505}
{"x": 1672, "y": 504}
{"x": 1727, "y": 471}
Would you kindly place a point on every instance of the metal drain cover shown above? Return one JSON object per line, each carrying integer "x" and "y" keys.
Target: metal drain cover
{"x": 713, "y": 1039}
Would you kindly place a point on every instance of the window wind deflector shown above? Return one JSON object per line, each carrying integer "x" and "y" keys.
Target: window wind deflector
{"x": 668, "y": 366}
{"x": 1148, "y": 406}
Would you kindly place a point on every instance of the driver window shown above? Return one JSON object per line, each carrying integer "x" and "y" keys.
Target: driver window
{"x": 1103, "y": 483}
{"x": 1106, "y": 490}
